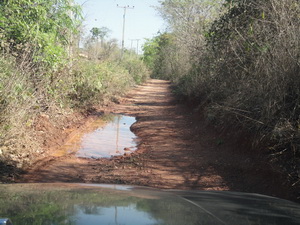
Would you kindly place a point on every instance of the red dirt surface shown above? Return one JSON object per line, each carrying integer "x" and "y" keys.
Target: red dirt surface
{"x": 178, "y": 149}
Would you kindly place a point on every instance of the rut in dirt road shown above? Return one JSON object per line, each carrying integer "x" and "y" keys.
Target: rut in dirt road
{"x": 172, "y": 160}
{"x": 177, "y": 150}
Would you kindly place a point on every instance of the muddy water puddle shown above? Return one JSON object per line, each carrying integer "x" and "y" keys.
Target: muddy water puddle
{"x": 103, "y": 138}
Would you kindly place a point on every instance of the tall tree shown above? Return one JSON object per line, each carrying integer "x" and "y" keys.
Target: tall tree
{"x": 188, "y": 22}
{"x": 99, "y": 33}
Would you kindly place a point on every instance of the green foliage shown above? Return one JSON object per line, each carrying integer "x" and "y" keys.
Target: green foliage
{"x": 135, "y": 67}
{"x": 99, "y": 33}
{"x": 35, "y": 39}
{"x": 157, "y": 53}
{"x": 95, "y": 82}
{"x": 44, "y": 26}
{"x": 188, "y": 22}
{"x": 150, "y": 49}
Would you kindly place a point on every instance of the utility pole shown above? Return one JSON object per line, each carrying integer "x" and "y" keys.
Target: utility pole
{"x": 123, "y": 34}
{"x": 137, "y": 44}
{"x": 131, "y": 43}
{"x": 131, "y": 46}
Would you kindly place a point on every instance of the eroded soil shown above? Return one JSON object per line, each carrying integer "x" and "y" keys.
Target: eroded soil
{"x": 177, "y": 149}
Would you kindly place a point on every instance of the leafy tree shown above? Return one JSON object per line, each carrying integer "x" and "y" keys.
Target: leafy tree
{"x": 43, "y": 27}
{"x": 100, "y": 50}
{"x": 158, "y": 53}
{"x": 150, "y": 49}
{"x": 178, "y": 50}
{"x": 189, "y": 19}
{"x": 99, "y": 33}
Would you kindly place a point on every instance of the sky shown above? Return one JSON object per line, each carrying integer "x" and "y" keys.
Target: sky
{"x": 141, "y": 22}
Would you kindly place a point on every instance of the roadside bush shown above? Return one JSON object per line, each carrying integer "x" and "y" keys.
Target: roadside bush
{"x": 256, "y": 46}
{"x": 18, "y": 107}
{"x": 165, "y": 57}
{"x": 94, "y": 82}
{"x": 135, "y": 67}
{"x": 34, "y": 44}
{"x": 245, "y": 70}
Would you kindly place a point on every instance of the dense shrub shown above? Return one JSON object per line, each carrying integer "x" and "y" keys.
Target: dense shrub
{"x": 135, "y": 66}
{"x": 256, "y": 75}
{"x": 244, "y": 67}
{"x": 94, "y": 81}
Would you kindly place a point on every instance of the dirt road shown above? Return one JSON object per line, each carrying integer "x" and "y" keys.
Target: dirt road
{"x": 177, "y": 150}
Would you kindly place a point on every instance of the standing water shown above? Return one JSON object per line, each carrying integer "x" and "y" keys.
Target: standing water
{"x": 115, "y": 138}
{"x": 102, "y": 138}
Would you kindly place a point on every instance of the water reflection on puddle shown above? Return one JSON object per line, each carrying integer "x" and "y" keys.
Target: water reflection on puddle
{"x": 102, "y": 138}
{"x": 115, "y": 138}
{"x": 129, "y": 214}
